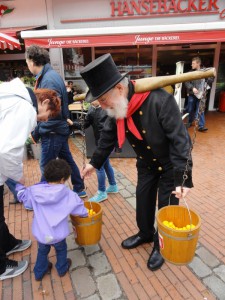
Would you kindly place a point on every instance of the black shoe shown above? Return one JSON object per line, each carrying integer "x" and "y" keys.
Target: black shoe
{"x": 69, "y": 261}
{"x": 202, "y": 129}
{"x": 155, "y": 260}
{"x": 47, "y": 272}
{"x": 134, "y": 241}
{"x": 14, "y": 201}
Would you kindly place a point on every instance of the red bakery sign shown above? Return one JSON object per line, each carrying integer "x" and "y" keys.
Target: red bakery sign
{"x": 128, "y": 39}
{"x": 164, "y": 8}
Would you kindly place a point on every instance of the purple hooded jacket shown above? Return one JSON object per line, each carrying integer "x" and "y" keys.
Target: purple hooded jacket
{"x": 52, "y": 204}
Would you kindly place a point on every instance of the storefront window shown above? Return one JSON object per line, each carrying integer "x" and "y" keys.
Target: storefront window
{"x": 137, "y": 60}
{"x": 13, "y": 69}
{"x": 74, "y": 59}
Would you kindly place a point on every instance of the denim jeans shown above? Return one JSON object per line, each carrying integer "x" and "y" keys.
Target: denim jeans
{"x": 12, "y": 187}
{"x": 201, "y": 123}
{"x": 56, "y": 146}
{"x": 41, "y": 265}
{"x": 108, "y": 170}
{"x": 191, "y": 107}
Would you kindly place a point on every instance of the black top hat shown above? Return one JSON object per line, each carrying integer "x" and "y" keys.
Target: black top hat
{"x": 100, "y": 76}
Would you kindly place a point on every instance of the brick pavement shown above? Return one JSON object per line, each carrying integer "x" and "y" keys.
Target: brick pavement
{"x": 106, "y": 271}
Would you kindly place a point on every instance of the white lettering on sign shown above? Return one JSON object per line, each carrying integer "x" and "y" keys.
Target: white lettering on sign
{"x": 148, "y": 39}
{"x": 60, "y": 43}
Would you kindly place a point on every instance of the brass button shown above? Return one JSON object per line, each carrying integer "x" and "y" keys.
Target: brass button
{"x": 144, "y": 131}
{"x": 140, "y": 157}
{"x": 127, "y": 131}
{"x": 140, "y": 113}
{"x": 154, "y": 159}
{"x": 160, "y": 168}
{"x": 148, "y": 147}
{"x": 133, "y": 145}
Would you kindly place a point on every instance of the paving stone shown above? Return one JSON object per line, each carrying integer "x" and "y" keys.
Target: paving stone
{"x": 220, "y": 271}
{"x": 216, "y": 285}
{"x": 91, "y": 249}
{"x": 83, "y": 282}
{"x": 132, "y": 201}
{"x": 108, "y": 287}
{"x": 100, "y": 263}
{"x": 77, "y": 257}
{"x": 124, "y": 193}
{"x": 131, "y": 189}
{"x": 199, "y": 267}
{"x": 207, "y": 257}
{"x": 94, "y": 297}
{"x": 125, "y": 182}
{"x": 119, "y": 175}
{"x": 71, "y": 245}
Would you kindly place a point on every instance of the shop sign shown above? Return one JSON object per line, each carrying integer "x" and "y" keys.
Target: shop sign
{"x": 164, "y": 8}
{"x": 129, "y": 39}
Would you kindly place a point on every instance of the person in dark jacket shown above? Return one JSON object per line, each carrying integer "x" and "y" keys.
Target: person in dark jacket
{"x": 54, "y": 133}
{"x": 152, "y": 124}
{"x": 96, "y": 118}
{"x": 70, "y": 92}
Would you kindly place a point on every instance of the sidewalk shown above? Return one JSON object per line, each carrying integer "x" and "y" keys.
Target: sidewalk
{"x": 106, "y": 271}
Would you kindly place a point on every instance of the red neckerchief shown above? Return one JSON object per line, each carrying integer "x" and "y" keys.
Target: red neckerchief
{"x": 135, "y": 102}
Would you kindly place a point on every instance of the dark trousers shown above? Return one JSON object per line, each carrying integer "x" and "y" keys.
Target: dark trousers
{"x": 7, "y": 240}
{"x": 56, "y": 145}
{"x": 150, "y": 183}
{"x": 41, "y": 265}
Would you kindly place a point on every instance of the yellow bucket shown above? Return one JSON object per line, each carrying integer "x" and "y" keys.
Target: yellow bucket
{"x": 178, "y": 246}
{"x": 88, "y": 230}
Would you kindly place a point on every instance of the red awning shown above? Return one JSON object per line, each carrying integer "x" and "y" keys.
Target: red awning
{"x": 128, "y": 39}
{"x": 13, "y": 30}
{"x": 8, "y": 42}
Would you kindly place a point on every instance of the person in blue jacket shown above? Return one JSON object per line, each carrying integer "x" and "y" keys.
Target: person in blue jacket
{"x": 54, "y": 133}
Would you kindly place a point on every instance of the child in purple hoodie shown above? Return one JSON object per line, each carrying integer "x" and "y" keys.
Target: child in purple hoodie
{"x": 52, "y": 202}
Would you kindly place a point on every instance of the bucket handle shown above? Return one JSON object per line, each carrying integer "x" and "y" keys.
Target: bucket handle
{"x": 189, "y": 213}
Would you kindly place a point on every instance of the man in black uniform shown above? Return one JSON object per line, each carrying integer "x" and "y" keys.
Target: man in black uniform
{"x": 153, "y": 126}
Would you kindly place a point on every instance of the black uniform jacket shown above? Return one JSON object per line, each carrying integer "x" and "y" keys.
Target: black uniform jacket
{"x": 164, "y": 135}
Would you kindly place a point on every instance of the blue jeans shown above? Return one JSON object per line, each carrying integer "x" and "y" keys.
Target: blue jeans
{"x": 191, "y": 107}
{"x": 56, "y": 146}
{"x": 41, "y": 265}
{"x": 12, "y": 186}
{"x": 108, "y": 170}
{"x": 201, "y": 123}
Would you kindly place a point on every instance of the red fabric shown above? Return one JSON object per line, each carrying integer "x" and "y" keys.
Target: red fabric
{"x": 135, "y": 102}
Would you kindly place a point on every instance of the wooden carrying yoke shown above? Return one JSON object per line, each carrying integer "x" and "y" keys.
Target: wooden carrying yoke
{"x": 152, "y": 83}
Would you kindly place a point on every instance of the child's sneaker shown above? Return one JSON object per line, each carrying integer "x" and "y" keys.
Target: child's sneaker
{"x": 99, "y": 197}
{"x": 82, "y": 194}
{"x": 13, "y": 268}
{"x": 112, "y": 189}
{"x": 23, "y": 245}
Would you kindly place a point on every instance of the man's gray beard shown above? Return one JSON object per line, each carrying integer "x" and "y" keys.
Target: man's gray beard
{"x": 120, "y": 110}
